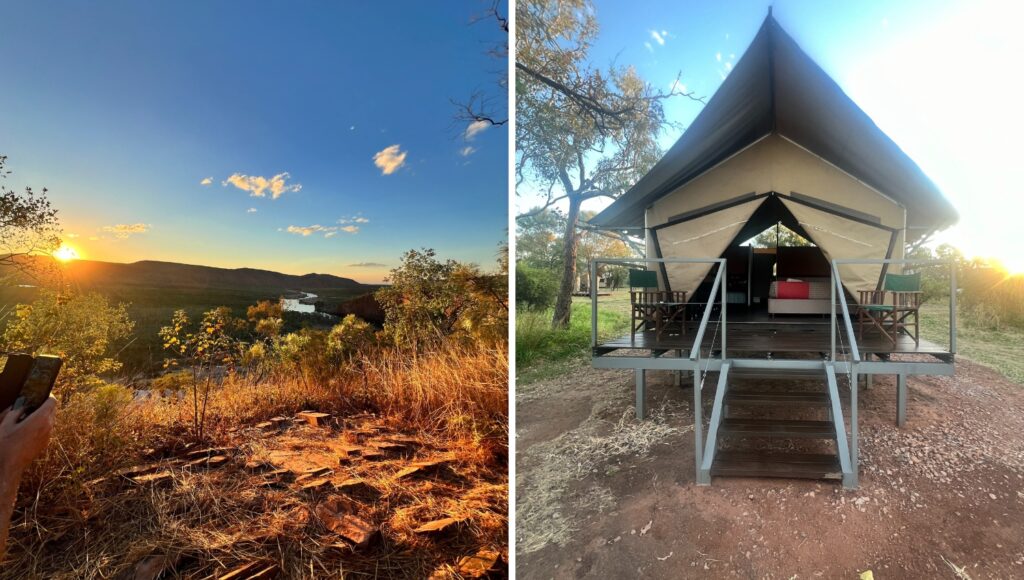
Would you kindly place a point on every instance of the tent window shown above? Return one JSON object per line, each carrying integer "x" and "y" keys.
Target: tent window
{"x": 778, "y": 235}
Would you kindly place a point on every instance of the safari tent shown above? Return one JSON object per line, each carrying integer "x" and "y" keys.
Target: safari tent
{"x": 779, "y": 143}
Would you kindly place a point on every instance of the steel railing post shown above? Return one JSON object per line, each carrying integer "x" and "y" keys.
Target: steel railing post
{"x": 593, "y": 304}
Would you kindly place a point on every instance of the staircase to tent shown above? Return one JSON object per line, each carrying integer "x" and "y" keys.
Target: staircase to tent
{"x": 790, "y": 426}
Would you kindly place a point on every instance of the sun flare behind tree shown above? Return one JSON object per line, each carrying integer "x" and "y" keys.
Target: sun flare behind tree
{"x": 65, "y": 253}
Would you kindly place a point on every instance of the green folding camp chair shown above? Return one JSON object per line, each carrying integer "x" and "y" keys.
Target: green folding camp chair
{"x": 644, "y": 299}
{"x": 901, "y": 314}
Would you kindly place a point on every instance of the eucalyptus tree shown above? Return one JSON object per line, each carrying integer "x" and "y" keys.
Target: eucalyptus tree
{"x": 582, "y": 132}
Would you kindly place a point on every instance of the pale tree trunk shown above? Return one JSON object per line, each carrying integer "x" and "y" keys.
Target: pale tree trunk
{"x": 563, "y": 304}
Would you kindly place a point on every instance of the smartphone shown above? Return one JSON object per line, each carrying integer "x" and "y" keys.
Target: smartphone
{"x": 39, "y": 383}
{"x": 13, "y": 377}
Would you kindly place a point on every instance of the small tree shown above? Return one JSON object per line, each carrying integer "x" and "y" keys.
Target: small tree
{"x": 429, "y": 301}
{"x": 83, "y": 329}
{"x": 581, "y": 132}
{"x": 28, "y": 227}
{"x": 208, "y": 350}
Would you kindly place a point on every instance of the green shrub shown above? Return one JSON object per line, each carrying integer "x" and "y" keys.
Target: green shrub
{"x": 535, "y": 287}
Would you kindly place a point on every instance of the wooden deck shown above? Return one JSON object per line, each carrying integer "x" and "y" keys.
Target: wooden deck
{"x": 774, "y": 337}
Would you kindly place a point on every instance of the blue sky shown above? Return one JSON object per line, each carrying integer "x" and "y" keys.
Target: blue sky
{"x": 938, "y": 77}
{"x": 122, "y": 109}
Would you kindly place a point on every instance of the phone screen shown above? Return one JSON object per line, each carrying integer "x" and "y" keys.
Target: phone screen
{"x": 40, "y": 381}
{"x": 13, "y": 377}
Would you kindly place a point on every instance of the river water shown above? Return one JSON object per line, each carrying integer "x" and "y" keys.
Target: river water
{"x": 295, "y": 304}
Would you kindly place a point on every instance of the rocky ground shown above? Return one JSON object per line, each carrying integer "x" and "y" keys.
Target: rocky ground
{"x": 309, "y": 496}
{"x": 602, "y": 495}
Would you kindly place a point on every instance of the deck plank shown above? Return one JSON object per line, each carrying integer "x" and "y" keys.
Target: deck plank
{"x": 764, "y": 337}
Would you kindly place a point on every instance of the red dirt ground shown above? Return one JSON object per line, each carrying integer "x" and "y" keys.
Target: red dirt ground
{"x": 600, "y": 495}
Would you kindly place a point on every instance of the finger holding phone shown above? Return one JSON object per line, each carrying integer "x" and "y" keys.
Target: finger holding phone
{"x": 25, "y": 430}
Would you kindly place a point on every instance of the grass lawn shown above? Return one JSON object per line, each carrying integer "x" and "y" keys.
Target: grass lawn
{"x": 542, "y": 353}
{"x": 1001, "y": 349}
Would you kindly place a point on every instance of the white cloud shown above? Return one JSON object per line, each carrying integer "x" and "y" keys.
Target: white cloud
{"x": 356, "y": 219}
{"x": 367, "y": 265}
{"x": 467, "y": 151}
{"x": 678, "y": 86}
{"x": 71, "y": 236}
{"x": 258, "y": 186}
{"x": 352, "y": 128}
{"x": 251, "y": 210}
{"x": 658, "y": 37}
{"x": 728, "y": 66}
{"x": 718, "y": 56}
{"x": 327, "y": 231}
{"x": 206, "y": 181}
{"x": 390, "y": 159}
{"x": 122, "y": 231}
{"x": 475, "y": 128}
{"x": 648, "y": 46}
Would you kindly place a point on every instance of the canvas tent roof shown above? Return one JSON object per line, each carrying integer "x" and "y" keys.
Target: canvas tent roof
{"x": 776, "y": 88}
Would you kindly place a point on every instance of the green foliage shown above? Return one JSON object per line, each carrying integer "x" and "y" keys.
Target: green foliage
{"x": 82, "y": 328}
{"x": 203, "y": 349}
{"x": 541, "y": 349}
{"x": 988, "y": 297}
{"x": 780, "y": 236}
{"x": 267, "y": 317}
{"x": 430, "y": 301}
{"x": 535, "y": 287}
{"x": 28, "y": 227}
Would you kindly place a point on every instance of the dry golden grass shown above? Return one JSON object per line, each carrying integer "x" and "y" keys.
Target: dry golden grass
{"x": 77, "y": 519}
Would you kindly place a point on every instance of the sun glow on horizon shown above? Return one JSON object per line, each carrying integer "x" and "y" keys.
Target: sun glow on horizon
{"x": 66, "y": 253}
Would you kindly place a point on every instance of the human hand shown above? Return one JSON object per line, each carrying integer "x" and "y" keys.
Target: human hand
{"x": 22, "y": 442}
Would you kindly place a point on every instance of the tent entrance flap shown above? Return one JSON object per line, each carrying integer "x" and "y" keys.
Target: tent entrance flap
{"x": 709, "y": 234}
{"x": 704, "y": 236}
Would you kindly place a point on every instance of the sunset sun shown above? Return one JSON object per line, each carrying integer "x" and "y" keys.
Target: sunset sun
{"x": 65, "y": 253}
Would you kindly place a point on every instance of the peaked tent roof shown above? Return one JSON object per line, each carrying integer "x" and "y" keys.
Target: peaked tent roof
{"x": 776, "y": 87}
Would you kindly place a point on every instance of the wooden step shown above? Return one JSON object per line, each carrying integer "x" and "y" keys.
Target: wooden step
{"x": 777, "y": 398}
{"x": 777, "y": 428}
{"x": 764, "y": 464}
{"x": 777, "y": 374}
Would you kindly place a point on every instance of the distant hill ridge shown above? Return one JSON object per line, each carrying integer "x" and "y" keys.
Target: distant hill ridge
{"x": 153, "y": 272}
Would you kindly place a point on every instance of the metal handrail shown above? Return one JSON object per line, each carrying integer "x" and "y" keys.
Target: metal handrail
{"x": 837, "y": 286}
{"x": 695, "y": 351}
{"x": 911, "y": 261}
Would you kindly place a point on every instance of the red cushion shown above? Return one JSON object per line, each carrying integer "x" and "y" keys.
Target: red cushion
{"x": 793, "y": 290}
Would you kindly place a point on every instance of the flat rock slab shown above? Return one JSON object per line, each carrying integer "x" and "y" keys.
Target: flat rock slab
{"x": 479, "y": 565}
{"x": 153, "y": 478}
{"x": 215, "y": 461}
{"x": 314, "y": 418}
{"x": 420, "y": 468}
{"x": 312, "y": 473}
{"x": 266, "y": 426}
{"x": 279, "y": 474}
{"x": 280, "y": 421}
{"x": 210, "y": 451}
{"x": 439, "y": 526}
{"x": 316, "y": 484}
{"x": 388, "y": 446}
{"x": 351, "y": 528}
{"x": 355, "y": 486}
{"x": 132, "y": 472}
{"x": 254, "y": 466}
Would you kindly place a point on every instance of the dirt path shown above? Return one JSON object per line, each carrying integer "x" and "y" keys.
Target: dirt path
{"x": 602, "y": 495}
